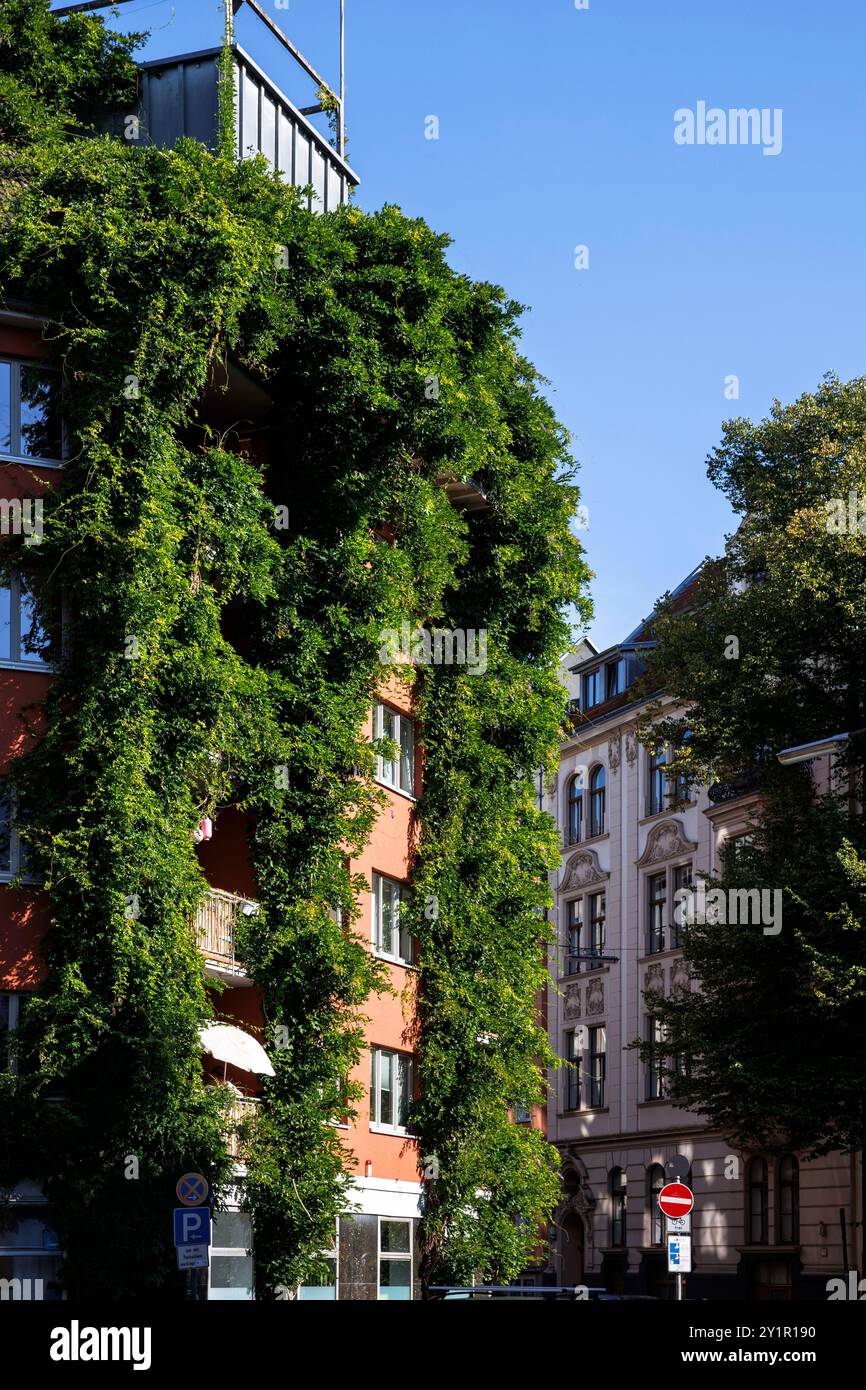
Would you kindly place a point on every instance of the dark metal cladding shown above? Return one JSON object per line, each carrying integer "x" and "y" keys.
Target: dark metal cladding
{"x": 179, "y": 97}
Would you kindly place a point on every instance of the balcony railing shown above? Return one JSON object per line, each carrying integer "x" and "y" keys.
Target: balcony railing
{"x": 215, "y": 923}
{"x": 741, "y": 784}
{"x": 241, "y": 1110}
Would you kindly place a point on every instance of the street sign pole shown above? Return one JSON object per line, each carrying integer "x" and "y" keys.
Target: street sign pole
{"x": 676, "y": 1201}
{"x": 192, "y": 1234}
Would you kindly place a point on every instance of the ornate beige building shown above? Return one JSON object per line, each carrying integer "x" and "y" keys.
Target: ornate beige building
{"x": 763, "y": 1226}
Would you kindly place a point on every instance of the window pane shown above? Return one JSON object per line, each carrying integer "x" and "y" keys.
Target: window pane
{"x": 320, "y": 1288}
{"x": 34, "y": 640}
{"x": 5, "y": 408}
{"x": 394, "y": 1237}
{"x": 231, "y": 1276}
{"x": 386, "y": 1088}
{"x": 386, "y": 901}
{"x": 232, "y": 1229}
{"x": 407, "y": 755}
{"x": 40, "y": 413}
{"x": 5, "y": 623}
{"x": 395, "y": 1280}
{"x": 5, "y": 828}
{"x": 404, "y": 1089}
{"x": 407, "y": 944}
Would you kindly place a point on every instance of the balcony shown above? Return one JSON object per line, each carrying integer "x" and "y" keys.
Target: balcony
{"x": 215, "y": 923}
{"x": 241, "y": 1110}
{"x": 741, "y": 784}
{"x": 179, "y": 97}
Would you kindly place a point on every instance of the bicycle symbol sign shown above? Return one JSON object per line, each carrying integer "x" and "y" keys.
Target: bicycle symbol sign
{"x": 192, "y": 1189}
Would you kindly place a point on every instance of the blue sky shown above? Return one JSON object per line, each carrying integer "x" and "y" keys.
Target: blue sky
{"x": 556, "y": 130}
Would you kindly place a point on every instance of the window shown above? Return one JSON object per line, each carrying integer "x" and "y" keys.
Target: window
{"x": 655, "y": 1181}
{"x": 390, "y": 1088}
{"x": 733, "y": 848}
{"x": 618, "y": 1205}
{"x": 390, "y": 938}
{"x": 395, "y": 1259}
{"x": 11, "y": 1013}
{"x": 656, "y": 913}
{"x": 658, "y": 782}
{"x": 231, "y": 1266}
{"x": 655, "y": 1072}
{"x": 575, "y": 809}
{"x": 597, "y": 910}
{"x": 614, "y": 678}
{"x": 22, "y": 639}
{"x": 596, "y": 802}
{"x": 522, "y": 1114}
{"x": 30, "y": 411}
{"x": 398, "y": 772}
{"x": 595, "y": 1071}
{"x": 682, "y": 881}
{"x": 592, "y": 688}
{"x": 322, "y": 1287}
{"x": 572, "y": 1072}
{"x": 683, "y": 789}
{"x": 789, "y": 1200}
{"x": 758, "y": 1202}
{"x": 574, "y": 925}
{"x": 13, "y": 850}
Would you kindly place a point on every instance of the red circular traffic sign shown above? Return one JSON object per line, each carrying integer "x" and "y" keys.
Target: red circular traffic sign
{"x": 675, "y": 1199}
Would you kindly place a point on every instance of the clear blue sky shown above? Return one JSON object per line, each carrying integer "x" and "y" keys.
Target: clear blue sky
{"x": 556, "y": 129}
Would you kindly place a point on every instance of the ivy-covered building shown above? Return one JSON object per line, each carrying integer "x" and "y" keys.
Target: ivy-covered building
{"x": 270, "y": 887}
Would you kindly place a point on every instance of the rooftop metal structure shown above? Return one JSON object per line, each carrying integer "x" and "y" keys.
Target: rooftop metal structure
{"x": 179, "y": 96}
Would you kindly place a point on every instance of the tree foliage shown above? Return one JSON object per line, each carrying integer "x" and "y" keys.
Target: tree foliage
{"x": 772, "y": 654}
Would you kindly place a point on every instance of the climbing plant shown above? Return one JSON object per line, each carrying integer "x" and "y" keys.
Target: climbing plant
{"x": 221, "y": 646}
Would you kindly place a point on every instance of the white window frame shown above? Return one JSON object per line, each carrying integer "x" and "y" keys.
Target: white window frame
{"x": 398, "y": 932}
{"x": 395, "y": 1257}
{"x": 15, "y": 364}
{"x": 15, "y": 661}
{"x": 232, "y": 1252}
{"x": 389, "y": 771}
{"x": 378, "y": 1126}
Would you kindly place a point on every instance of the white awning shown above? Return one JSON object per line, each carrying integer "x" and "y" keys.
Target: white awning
{"x": 229, "y": 1044}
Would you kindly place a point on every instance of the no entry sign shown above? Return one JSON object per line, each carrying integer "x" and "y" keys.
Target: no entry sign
{"x": 675, "y": 1199}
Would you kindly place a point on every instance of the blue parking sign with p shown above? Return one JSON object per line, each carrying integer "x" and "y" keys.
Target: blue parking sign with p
{"x": 192, "y": 1226}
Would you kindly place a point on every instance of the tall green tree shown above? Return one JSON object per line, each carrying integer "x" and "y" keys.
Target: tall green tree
{"x": 772, "y": 653}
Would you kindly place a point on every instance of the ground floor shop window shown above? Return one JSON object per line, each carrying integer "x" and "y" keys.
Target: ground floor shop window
{"x": 231, "y": 1264}
{"x": 29, "y": 1258}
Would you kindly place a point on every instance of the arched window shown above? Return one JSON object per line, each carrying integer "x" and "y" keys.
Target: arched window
{"x": 574, "y": 828}
{"x": 655, "y": 1181}
{"x": 757, "y": 1201}
{"x": 789, "y": 1200}
{"x": 618, "y": 1205}
{"x": 596, "y": 802}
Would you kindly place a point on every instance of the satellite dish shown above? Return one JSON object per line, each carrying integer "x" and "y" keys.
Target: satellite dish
{"x": 677, "y": 1169}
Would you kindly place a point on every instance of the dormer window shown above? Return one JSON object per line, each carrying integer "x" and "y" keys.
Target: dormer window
{"x": 592, "y": 688}
{"x": 614, "y": 678}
